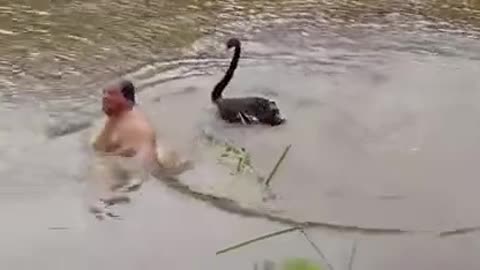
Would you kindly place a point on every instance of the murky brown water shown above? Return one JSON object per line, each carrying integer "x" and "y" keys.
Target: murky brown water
{"x": 381, "y": 97}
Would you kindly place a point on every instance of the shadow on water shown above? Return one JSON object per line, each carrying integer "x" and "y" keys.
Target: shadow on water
{"x": 233, "y": 206}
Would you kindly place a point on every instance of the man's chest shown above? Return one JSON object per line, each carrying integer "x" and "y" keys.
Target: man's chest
{"x": 128, "y": 133}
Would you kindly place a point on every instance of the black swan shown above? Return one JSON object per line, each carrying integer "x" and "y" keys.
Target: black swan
{"x": 245, "y": 110}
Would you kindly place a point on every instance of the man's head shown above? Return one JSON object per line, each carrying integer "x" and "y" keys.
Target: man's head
{"x": 128, "y": 90}
{"x": 118, "y": 98}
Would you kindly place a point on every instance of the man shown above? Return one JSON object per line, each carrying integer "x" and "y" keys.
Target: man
{"x": 127, "y": 146}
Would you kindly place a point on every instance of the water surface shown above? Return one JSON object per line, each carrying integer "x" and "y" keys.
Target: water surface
{"x": 381, "y": 98}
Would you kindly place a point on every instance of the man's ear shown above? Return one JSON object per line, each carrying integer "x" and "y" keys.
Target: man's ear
{"x": 128, "y": 103}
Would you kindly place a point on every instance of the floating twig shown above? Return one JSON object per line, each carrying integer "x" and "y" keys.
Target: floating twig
{"x": 352, "y": 255}
{"x": 459, "y": 231}
{"x": 239, "y": 164}
{"x": 317, "y": 249}
{"x": 282, "y": 157}
{"x": 263, "y": 237}
{"x": 270, "y": 235}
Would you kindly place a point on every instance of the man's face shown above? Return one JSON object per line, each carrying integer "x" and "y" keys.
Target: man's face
{"x": 113, "y": 101}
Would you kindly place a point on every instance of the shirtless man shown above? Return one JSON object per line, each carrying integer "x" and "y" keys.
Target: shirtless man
{"x": 127, "y": 146}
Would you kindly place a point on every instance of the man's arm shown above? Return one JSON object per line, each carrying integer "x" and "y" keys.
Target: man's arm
{"x": 101, "y": 143}
{"x": 121, "y": 151}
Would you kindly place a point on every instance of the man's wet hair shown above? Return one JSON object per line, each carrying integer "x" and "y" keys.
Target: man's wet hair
{"x": 128, "y": 90}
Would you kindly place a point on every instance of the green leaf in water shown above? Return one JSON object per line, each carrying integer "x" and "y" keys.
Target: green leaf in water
{"x": 300, "y": 264}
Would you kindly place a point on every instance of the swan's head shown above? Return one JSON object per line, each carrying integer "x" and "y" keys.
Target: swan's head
{"x": 233, "y": 42}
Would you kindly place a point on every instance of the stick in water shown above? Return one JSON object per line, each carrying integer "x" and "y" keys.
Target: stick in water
{"x": 272, "y": 173}
{"x": 352, "y": 255}
{"x": 263, "y": 237}
{"x": 317, "y": 249}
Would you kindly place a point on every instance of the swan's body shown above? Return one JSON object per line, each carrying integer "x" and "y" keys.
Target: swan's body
{"x": 246, "y": 110}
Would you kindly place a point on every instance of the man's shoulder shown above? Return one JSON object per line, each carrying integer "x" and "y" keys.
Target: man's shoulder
{"x": 141, "y": 121}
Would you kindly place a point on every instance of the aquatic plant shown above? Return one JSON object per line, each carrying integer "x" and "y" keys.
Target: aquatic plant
{"x": 299, "y": 264}
{"x": 294, "y": 263}
{"x": 238, "y": 155}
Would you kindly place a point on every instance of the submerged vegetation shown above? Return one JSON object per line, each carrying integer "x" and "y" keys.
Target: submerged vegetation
{"x": 289, "y": 264}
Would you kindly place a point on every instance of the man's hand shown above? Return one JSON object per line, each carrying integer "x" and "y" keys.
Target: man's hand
{"x": 121, "y": 152}
{"x": 102, "y": 140}
{"x": 126, "y": 152}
